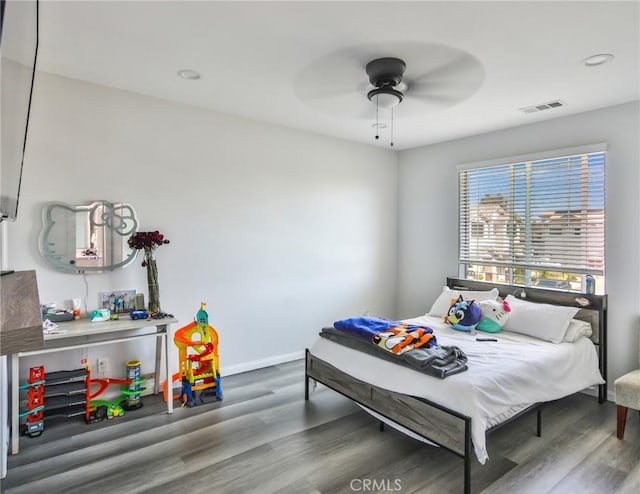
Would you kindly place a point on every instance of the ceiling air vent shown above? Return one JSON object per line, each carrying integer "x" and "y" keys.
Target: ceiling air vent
{"x": 543, "y": 106}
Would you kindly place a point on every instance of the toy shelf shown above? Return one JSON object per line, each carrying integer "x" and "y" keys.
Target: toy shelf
{"x": 61, "y": 377}
{"x": 60, "y": 394}
{"x": 64, "y": 389}
{"x": 65, "y": 393}
{"x": 66, "y": 412}
{"x": 63, "y": 401}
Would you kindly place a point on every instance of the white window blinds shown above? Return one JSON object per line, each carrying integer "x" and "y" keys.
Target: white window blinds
{"x": 544, "y": 214}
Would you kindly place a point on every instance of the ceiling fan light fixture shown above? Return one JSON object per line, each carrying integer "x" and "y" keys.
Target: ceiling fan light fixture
{"x": 385, "y": 97}
{"x": 598, "y": 59}
{"x": 189, "y": 74}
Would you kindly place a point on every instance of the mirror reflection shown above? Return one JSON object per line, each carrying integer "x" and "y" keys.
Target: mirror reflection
{"x": 86, "y": 239}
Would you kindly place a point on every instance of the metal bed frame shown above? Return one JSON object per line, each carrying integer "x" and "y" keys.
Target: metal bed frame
{"x": 445, "y": 427}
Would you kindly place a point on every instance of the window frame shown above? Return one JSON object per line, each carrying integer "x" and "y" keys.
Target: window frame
{"x": 469, "y": 270}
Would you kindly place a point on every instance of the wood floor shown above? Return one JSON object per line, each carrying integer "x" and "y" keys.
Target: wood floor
{"x": 264, "y": 438}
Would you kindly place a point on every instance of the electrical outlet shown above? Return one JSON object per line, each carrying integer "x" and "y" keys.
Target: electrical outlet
{"x": 103, "y": 366}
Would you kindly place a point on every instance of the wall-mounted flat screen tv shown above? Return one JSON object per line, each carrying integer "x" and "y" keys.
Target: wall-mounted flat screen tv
{"x": 19, "y": 51}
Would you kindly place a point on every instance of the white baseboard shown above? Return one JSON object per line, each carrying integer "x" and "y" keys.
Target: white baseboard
{"x": 259, "y": 364}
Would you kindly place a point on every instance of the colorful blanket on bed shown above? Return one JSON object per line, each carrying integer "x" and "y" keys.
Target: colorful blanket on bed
{"x": 406, "y": 344}
{"x": 394, "y": 336}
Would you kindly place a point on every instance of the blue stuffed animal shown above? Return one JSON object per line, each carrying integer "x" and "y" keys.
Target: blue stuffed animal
{"x": 463, "y": 315}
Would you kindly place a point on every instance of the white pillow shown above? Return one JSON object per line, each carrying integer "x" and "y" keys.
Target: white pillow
{"x": 577, "y": 329}
{"x": 543, "y": 321}
{"x": 440, "y": 307}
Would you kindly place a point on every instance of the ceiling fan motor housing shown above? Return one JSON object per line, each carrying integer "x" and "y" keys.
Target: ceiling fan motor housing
{"x": 385, "y": 71}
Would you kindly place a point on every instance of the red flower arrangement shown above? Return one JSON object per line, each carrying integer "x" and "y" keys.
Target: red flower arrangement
{"x": 149, "y": 241}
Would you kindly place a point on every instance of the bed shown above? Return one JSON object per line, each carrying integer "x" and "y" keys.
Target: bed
{"x": 506, "y": 378}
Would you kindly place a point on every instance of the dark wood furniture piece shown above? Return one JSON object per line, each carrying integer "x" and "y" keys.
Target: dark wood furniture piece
{"x": 441, "y": 425}
{"x": 20, "y": 319}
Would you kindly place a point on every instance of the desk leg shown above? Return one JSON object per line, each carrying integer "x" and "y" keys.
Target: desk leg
{"x": 160, "y": 338}
{"x": 15, "y": 404}
{"x": 157, "y": 387}
{"x": 168, "y": 373}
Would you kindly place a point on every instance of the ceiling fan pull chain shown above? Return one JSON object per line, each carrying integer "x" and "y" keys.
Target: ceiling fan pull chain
{"x": 391, "y": 126}
{"x": 377, "y": 126}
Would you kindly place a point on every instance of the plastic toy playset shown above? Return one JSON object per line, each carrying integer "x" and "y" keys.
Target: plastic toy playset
{"x": 68, "y": 393}
{"x": 129, "y": 399}
{"x": 35, "y": 411}
{"x": 199, "y": 369}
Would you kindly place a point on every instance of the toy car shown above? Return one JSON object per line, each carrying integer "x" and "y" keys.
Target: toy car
{"x": 139, "y": 314}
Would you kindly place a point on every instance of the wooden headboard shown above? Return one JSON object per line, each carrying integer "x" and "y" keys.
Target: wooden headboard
{"x": 593, "y": 308}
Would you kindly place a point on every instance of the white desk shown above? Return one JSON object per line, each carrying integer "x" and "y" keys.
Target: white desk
{"x": 83, "y": 334}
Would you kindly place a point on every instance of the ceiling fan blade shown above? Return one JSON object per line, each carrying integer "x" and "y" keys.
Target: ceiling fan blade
{"x": 337, "y": 73}
{"x": 455, "y": 80}
{"x": 461, "y": 66}
{"x": 368, "y": 113}
{"x": 347, "y": 105}
{"x": 431, "y": 99}
{"x": 329, "y": 91}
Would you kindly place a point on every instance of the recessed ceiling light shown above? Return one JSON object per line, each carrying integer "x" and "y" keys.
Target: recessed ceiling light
{"x": 189, "y": 74}
{"x": 599, "y": 59}
{"x": 379, "y": 126}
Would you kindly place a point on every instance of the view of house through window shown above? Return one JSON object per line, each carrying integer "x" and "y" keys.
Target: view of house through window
{"x": 534, "y": 223}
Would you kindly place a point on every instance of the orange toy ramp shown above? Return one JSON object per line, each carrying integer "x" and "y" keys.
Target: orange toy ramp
{"x": 165, "y": 388}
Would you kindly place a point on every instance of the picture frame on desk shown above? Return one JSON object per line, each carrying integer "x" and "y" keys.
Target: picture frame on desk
{"x": 118, "y": 301}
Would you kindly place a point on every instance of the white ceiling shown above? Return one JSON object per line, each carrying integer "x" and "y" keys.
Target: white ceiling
{"x": 301, "y": 64}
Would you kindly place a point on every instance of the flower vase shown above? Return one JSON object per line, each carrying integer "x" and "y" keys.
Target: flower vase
{"x": 152, "y": 282}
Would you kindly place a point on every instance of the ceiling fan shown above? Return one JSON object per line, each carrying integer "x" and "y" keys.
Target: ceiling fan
{"x": 386, "y": 75}
{"x": 425, "y": 78}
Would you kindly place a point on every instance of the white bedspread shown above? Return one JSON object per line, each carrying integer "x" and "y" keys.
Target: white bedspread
{"x": 503, "y": 376}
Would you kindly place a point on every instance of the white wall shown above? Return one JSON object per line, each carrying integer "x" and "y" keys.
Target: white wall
{"x": 282, "y": 231}
{"x": 279, "y": 231}
{"x": 427, "y": 182}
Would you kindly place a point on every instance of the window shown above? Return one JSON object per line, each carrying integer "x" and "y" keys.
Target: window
{"x": 542, "y": 217}
{"x": 477, "y": 229}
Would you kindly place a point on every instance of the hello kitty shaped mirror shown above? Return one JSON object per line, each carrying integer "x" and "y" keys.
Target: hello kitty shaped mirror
{"x": 87, "y": 239}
